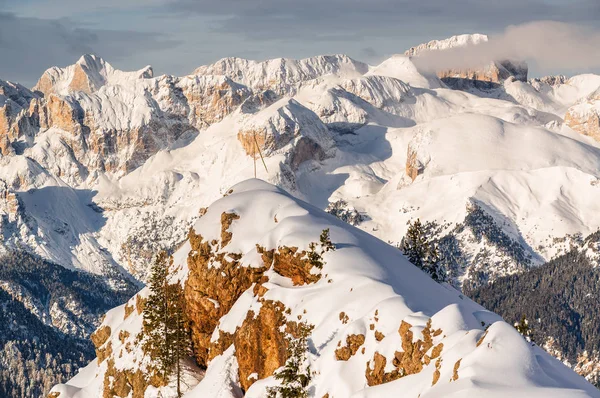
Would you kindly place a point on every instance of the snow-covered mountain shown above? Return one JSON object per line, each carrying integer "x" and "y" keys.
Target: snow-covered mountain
{"x": 380, "y": 325}
{"x": 496, "y": 72}
{"x": 100, "y": 168}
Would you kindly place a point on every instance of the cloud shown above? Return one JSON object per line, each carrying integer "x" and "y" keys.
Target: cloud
{"x": 31, "y": 45}
{"x": 369, "y": 52}
{"x": 549, "y": 45}
{"x": 344, "y": 20}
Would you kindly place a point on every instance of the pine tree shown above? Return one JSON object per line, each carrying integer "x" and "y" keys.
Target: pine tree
{"x": 433, "y": 264}
{"x": 315, "y": 257}
{"x": 166, "y": 335}
{"x": 421, "y": 252}
{"x": 325, "y": 240}
{"x": 524, "y": 329}
{"x": 295, "y": 376}
{"x": 156, "y": 328}
{"x": 180, "y": 346}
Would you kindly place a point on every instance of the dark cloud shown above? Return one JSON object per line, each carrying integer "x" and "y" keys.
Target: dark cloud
{"x": 369, "y": 52}
{"x": 352, "y": 19}
{"x": 28, "y": 46}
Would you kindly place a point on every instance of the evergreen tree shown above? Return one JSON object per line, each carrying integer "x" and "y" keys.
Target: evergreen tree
{"x": 315, "y": 257}
{"x": 295, "y": 376}
{"x": 166, "y": 335}
{"x": 156, "y": 313}
{"x": 180, "y": 333}
{"x": 414, "y": 245}
{"x": 524, "y": 329}
{"x": 422, "y": 252}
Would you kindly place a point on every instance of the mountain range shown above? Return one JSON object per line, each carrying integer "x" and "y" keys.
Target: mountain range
{"x": 101, "y": 169}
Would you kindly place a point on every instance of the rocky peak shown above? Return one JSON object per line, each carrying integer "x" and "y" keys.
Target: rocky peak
{"x": 282, "y": 123}
{"x": 496, "y": 72}
{"x": 553, "y": 81}
{"x": 17, "y": 103}
{"x": 88, "y": 75}
{"x": 451, "y": 42}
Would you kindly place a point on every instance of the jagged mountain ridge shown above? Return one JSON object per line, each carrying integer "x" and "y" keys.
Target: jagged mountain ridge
{"x": 380, "y": 324}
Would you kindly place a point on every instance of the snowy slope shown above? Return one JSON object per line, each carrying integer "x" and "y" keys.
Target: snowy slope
{"x": 354, "y": 145}
{"x": 103, "y": 168}
{"x": 366, "y": 293}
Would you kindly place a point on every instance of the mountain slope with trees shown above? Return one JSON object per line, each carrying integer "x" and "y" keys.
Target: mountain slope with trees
{"x": 47, "y": 314}
{"x": 560, "y": 300}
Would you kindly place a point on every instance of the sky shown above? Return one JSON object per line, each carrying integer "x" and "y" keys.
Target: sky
{"x": 176, "y": 36}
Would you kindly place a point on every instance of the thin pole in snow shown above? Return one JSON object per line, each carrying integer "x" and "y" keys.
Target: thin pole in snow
{"x": 261, "y": 157}
{"x": 254, "y": 155}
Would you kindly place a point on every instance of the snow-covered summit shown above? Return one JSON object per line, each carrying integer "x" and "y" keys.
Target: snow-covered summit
{"x": 281, "y": 73}
{"x": 380, "y": 324}
{"x": 88, "y": 74}
{"x": 402, "y": 68}
{"x": 451, "y": 42}
{"x": 496, "y": 72}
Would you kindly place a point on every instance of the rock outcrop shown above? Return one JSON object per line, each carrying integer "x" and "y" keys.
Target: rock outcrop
{"x": 495, "y": 72}
{"x": 17, "y": 105}
{"x": 584, "y": 116}
{"x": 285, "y": 122}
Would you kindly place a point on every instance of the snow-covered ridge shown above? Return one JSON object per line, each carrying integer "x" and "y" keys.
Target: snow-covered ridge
{"x": 451, "y": 42}
{"x": 281, "y": 73}
{"x": 88, "y": 74}
{"x": 369, "y": 306}
{"x": 496, "y": 72}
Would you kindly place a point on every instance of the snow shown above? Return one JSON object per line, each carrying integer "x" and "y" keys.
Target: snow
{"x": 472, "y": 148}
{"x": 98, "y": 72}
{"x": 280, "y": 73}
{"x": 509, "y": 154}
{"x": 402, "y": 68}
{"x": 368, "y": 277}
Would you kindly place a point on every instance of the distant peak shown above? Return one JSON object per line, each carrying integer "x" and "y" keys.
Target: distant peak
{"x": 92, "y": 61}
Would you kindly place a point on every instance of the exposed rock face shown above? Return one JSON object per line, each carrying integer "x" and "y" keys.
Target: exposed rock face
{"x": 288, "y": 262}
{"x": 353, "y": 343}
{"x": 123, "y": 384}
{"x": 87, "y": 75}
{"x": 260, "y": 345}
{"x": 211, "y": 98}
{"x": 584, "y": 116}
{"x": 114, "y": 120}
{"x": 279, "y": 125}
{"x": 9, "y": 203}
{"x": 553, "y": 81}
{"x": 496, "y": 72}
{"x": 413, "y": 166}
{"x": 411, "y": 360}
{"x": 16, "y": 106}
{"x": 211, "y": 290}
